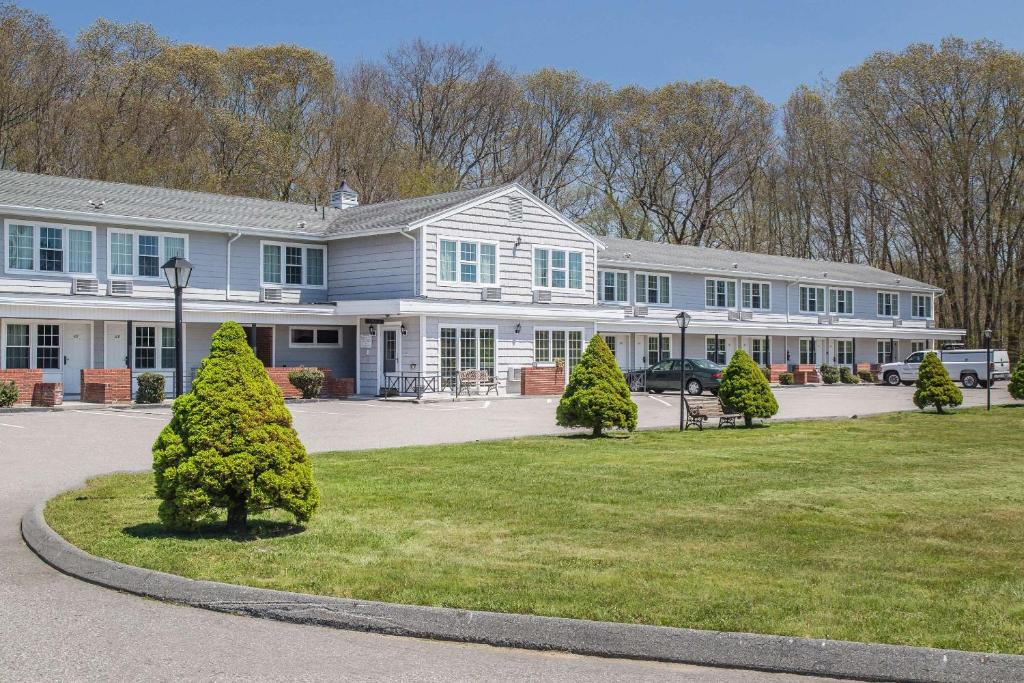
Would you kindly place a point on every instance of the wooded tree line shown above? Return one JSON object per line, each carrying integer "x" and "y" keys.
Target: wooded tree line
{"x": 910, "y": 161}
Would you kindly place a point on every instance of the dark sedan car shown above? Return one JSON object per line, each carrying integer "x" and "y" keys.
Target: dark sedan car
{"x": 701, "y": 375}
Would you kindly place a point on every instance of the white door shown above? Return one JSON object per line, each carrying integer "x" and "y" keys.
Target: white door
{"x": 77, "y": 354}
{"x": 619, "y": 344}
{"x": 730, "y": 348}
{"x": 115, "y": 345}
{"x": 389, "y": 353}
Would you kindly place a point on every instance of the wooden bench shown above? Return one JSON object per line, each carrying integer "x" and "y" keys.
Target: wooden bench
{"x": 699, "y": 409}
{"x": 468, "y": 379}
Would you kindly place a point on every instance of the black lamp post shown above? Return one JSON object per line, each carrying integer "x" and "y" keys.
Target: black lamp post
{"x": 178, "y": 270}
{"x": 988, "y": 369}
{"x": 683, "y": 320}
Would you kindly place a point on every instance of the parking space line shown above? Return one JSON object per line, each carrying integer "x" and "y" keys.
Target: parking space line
{"x": 113, "y": 413}
{"x": 4, "y": 424}
{"x": 661, "y": 401}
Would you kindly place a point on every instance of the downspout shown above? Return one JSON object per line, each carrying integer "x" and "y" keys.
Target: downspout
{"x": 227, "y": 270}
{"x": 415, "y": 263}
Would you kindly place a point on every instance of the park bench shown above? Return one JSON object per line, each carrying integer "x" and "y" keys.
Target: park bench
{"x": 699, "y": 409}
{"x": 467, "y": 379}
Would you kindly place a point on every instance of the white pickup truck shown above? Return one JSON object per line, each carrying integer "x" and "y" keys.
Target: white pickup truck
{"x": 966, "y": 365}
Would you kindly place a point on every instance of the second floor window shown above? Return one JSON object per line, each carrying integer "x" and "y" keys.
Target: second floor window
{"x": 720, "y": 293}
{"x": 812, "y": 299}
{"x": 557, "y": 268}
{"x": 841, "y": 301}
{"x": 652, "y": 289}
{"x": 889, "y": 304}
{"x": 140, "y": 254}
{"x": 298, "y": 265}
{"x": 614, "y": 286}
{"x": 50, "y": 249}
{"x": 468, "y": 262}
{"x": 757, "y": 296}
{"x": 921, "y": 306}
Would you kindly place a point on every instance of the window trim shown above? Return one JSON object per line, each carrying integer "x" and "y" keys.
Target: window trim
{"x": 649, "y": 274}
{"x": 157, "y": 348}
{"x": 557, "y": 328}
{"x": 913, "y": 307}
{"x": 600, "y": 287}
{"x": 297, "y": 245}
{"x": 853, "y": 300}
{"x": 895, "y": 298}
{"x": 825, "y": 299}
{"x": 65, "y": 248}
{"x": 458, "y": 346}
{"x": 879, "y": 346}
{"x": 161, "y": 253}
{"x": 549, "y": 286}
{"x": 315, "y": 344}
{"x": 765, "y": 283}
{"x": 458, "y": 282}
{"x": 737, "y": 294}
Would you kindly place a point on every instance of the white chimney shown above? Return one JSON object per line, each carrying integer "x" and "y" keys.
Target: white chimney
{"x": 344, "y": 197}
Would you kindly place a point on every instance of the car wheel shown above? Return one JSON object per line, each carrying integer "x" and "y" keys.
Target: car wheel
{"x": 694, "y": 388}
{"x": 892, "y": 379}
{"x": 969, "y": 381}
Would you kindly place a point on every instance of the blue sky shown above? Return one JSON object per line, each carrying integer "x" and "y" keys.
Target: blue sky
{"x": 770, "y": 46}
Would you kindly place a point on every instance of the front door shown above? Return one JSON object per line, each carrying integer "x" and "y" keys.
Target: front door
{"x": 390, "y": 352}
{"x": 77, "y": 353}
{"x": 115, "y": 345}
{"x": 619, "y": 344}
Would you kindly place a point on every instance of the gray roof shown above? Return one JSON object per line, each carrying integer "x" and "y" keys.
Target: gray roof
{"x": 401, "y": 212}
{"x": 673, "y": 256}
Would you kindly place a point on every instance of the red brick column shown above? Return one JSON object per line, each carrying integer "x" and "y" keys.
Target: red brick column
{"x": 542, "y": 381}
{"x": 109, "y": 385}
{"x": 25, "y": 380}
{"x": 48, "y": 394}
{"x": 774, "y": 370}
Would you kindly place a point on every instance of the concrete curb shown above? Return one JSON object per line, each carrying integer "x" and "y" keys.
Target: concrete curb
{"x": 840, "y": 659}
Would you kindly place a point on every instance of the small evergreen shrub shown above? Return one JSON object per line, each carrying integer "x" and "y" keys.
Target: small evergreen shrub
{"x": 846, "y": 376}
{"x": 230, "y": 444}
{"x": 866, "y": 376}
{"x": 310, "y": 381}
{"x": 767, "y": 373}
{"x": 786, "y": 378}
{"x": 745, "y": 390}
{"x": 8, "y": 394}
{"x": 829, "y": 374}
{"x": 934, "y": 386}
{"x": 597, "y": 396}
{"x": 1016, "y": 385}
{"x": 152, "y": 386}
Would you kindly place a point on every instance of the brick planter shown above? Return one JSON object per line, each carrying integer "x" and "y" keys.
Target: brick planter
{"x": 334, "y": 387}
{"x": 111, "y": 385}
{"x": 542, "y": 381}
{"x": 774, "y": 370}
{"x": 48, "y": 394}
{"x": 806, "y": 374}
{"x": 25, "y": 380}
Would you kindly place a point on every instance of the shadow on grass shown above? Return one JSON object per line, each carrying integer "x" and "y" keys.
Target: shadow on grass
{"x": 258, "y": 529}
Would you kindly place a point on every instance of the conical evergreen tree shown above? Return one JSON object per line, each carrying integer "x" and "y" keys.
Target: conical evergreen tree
{"x": 745, "y": 390}
{"x": 230, "y": 444}
{"x": 934, "y": 386}
{"x": 597, "y": 395}
{"x": 1016, "y": 385}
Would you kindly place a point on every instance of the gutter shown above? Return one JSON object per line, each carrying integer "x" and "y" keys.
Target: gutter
{"x": 227, "y": 268}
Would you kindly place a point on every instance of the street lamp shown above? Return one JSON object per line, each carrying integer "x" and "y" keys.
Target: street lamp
{"x": 988, "y": 369}
{"x": 683, "y": 320}
{"x": 178, "y": 270}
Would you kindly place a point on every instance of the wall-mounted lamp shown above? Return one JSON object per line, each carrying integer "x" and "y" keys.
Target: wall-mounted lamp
{"x": 404, "y": 331}
{"x": 373, "y": 330}
{"x": 519, "y": 326}
{"x": 519, "y": 241}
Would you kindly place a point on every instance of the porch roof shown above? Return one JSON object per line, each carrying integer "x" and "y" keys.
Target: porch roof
{"x": 375, "y": 308}
{"x": 746, "y": 329}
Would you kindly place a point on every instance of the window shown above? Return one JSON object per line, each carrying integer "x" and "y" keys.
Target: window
{"x": 51, "y": 249}
{"x": 652, "y": 289}
{"x": 917, "y": 357}
{"x": 297, "y": 265}
{"x": 557, "y": 268}
{"x": 889, "y": 304}
{"x": 550, "y": 345}
{"x": 921, "y": 306}
{"x": 145, "y": 348}
{"x": 844, "y": 352}
{"x": 808, "y": 351}
{"x": 884, "y": 351}
{"x": 314, "y": 336}
{"x": 715, "y": 349}
{"x": 167, "y": 347}
{"x": 142, "y": 254}
{"x": 658, "y": 349}
{"x": 468, "y": 262}
{"x": 19, "y": 354}
{"x": 720, "y": 293}
{"x": 760, "y": 351}
{"x": 466, "y": 348}
{"x": 918, "y": 346}
{"x": 154, "y": 347}
{"x": 812, "y": 299}
{"x": 757, "y": 296}
{"x": 614, "y": 286}
{"x": 48, "y": 347}
{"x": 841, "y": 301}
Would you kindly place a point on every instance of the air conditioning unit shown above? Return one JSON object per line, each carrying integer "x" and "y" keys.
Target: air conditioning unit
{"x": 897, "y": 323}
{"x": 746, "y": 315}
{"x": 628, "y": 310}
{"x": 824, "y": 320}
{"x": 490, "y": 294}
{"x": 542, "y": 296}
{"x": 85, "y": 285}
{"x": 271, "y": 295}
{"x": 733, "y": 315}
{"x": 929, "y": 324}
{"x": 120, "y": 288}
{"x": 641, "y": 311}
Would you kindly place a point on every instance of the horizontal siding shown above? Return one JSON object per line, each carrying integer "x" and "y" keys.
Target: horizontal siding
{"x": 374, "y": 267}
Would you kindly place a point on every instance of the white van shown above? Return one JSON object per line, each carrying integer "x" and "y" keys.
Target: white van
{"x": 966, "y": 365}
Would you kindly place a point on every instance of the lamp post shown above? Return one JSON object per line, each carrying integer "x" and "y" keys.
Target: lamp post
{"x": 683, "y": 320}
{"x": 178, "y": 270}
{"x": 988, "y": 369}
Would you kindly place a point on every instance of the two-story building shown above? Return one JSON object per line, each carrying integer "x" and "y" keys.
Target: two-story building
{"x": 490, "y": 279}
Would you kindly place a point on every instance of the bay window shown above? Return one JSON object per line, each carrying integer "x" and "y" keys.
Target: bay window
{"x": 141, "y": 254}
{"x": 614, "y": 286}
{"x": 297, "y": 265}
{"x": 889, "y": 304}
{"x": 557, "y": 268}
{"x": 653, "y": 289}
{"x": 921, "y": 306}
{"x": 841, "y": 301}
{"x": 467, "y": 262}
{"x": 812, "y": 299}
{"x": 756, "y": 296}
{"x": 50, "y": 249}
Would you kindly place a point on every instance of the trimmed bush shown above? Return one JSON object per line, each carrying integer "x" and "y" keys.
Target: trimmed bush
{"x": 829, "y": 374}
{"x": 597, "y": 396}
{"x": 866, "y": 376}
{"x": 846, "y": 376}
{"x": 745, "y": 390}
{"x": 152, "y": 387}
{"x": 8, "y": 394}
{"x": 310, "y": 381}
{"x": 786, "y": 378}
{"x": 767, "y": 374}
{"x": 1016, "y": 385}
{"x": 934, "y": 386}
{"x": 230, "y": 444}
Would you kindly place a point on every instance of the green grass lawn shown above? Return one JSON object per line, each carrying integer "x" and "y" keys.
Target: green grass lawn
{"x": 907, "y": 528}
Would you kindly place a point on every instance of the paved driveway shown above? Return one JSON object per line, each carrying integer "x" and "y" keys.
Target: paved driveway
{"x": 56, "y": 628}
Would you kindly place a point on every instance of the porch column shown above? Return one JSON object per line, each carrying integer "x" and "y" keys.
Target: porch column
{"x": 853, "y": 350}
{"x": 892, "y": 350}
{"x": 659, "y": 347}
{"x": 767, "y": 355}
{"x": 252, "y": 336}
{"x": 718, "y": 356}
{"x": 131, "y": 335}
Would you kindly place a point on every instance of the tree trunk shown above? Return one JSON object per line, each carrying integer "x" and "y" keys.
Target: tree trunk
{"x": 748, "y": 420}
{"x": 237, "y": 518}
{"x": 597, "y": 430}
